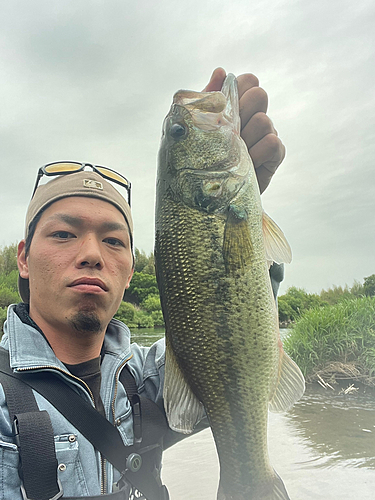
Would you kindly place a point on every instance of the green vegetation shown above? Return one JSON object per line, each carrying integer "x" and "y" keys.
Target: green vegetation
{"x": 333, "y": 333}
{"x": 8, "y": 280}
{"x": 141, "y": 306}
{"x": 336, "y": 341}
{"x": 140, "y": 309}
{"x": 297, "y": 301}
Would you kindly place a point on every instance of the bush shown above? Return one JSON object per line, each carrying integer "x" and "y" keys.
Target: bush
{"x": 10, "y": 280}
{"x": 342, "y": 333}
{"x": 8, "y": 259}
{"x": 134, "y": 317}
{"x": 141, "y": 286}
{"x": 126, "y": 313}
{"x": 157, "y": 317}
{"x": 8, "y": 296}
{"x": 3, "y": 317}
{"x": 295, "y": 302}
{"x": 369, "y": 285}
{"x": 151, "y": 303}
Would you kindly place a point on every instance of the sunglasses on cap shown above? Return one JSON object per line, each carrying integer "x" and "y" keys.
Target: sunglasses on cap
{"x": 71, "y": 167}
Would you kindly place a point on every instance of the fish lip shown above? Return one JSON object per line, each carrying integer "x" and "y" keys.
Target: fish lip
{"x": 89, "y": 281}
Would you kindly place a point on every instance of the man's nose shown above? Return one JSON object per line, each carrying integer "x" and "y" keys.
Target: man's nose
{"x": 90, "y": 254}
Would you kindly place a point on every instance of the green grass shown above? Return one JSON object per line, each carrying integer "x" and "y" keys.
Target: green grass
{"x": 343, "y": 333}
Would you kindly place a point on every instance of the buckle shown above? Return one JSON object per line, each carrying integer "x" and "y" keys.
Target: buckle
{"x": 59, "y": 494}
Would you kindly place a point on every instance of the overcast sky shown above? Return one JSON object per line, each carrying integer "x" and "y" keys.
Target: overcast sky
{"x": 91, "y": 80}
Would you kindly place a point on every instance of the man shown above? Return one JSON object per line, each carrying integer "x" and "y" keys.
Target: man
{"x": 75, "y": 264}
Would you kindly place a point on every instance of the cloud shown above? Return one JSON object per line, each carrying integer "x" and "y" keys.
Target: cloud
{"x": 92, "y": 81}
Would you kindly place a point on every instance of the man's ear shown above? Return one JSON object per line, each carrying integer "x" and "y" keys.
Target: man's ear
{"x": 23, "y": 267}
{"x": 129, "y": 279}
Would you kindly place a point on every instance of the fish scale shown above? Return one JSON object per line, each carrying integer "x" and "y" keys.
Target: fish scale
{"x": 223, "y": 353}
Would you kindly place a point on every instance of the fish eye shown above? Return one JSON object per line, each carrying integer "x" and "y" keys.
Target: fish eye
{"x": 177, "y": 130}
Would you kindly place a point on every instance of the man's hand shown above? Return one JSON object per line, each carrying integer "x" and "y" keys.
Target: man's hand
{"x": 265, "y": 148}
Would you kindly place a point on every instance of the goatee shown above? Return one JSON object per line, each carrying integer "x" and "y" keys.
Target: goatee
{"x": 86, "y": 322}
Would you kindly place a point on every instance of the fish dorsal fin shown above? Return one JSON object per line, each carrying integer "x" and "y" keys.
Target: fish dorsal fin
{"x": 232, "y": 110}
{"x": 276, "y": 247}
{"x": 289, "y": 384}
{"x": 182, "y": 407}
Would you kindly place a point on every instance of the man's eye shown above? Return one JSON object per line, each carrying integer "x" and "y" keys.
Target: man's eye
{"x": 113, "y": 242}
{"x": 63, "y": 235}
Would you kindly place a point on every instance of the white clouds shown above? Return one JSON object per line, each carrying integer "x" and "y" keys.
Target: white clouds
{"x": 93, "y": 80}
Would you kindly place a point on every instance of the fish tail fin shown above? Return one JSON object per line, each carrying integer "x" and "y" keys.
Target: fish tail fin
{"x": 274, "y": 491}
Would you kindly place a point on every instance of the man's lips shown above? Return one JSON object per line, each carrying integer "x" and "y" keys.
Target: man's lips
{"x": 89, "y": 285}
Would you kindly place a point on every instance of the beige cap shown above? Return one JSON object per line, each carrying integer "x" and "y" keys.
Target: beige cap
{"x": 84, "y": 183}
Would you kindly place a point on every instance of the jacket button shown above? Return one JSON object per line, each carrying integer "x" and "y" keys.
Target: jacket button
{"x": 118, "y": 422}
{"x": 62, "y": 467}
{"x": 72, "y": 438}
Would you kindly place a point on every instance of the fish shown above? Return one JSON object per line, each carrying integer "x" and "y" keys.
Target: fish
{"x": 214, "y": 245}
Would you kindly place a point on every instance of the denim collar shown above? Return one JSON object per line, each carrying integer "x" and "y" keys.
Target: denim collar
{"x": 28, "y": 348}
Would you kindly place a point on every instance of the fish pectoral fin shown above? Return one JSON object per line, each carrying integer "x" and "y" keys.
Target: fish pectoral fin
{"x": 276, "y": 246}
{"x": 289, "y": 386}
{"x": 182, "y": 407}
{"x": 237, "y": 246}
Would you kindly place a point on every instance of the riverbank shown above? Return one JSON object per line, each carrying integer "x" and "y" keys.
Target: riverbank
{"x": 336, "y": 342}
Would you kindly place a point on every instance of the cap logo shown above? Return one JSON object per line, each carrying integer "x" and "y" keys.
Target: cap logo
{"x": 89, "y": 183}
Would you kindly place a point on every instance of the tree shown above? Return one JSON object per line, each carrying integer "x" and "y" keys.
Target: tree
{"x": 141, "y": 286}
{"x": 369, "y": 285}
{"x": 295, "y": 302}
{"x": 143, "y": 263}
{"x": 8, "y": 259}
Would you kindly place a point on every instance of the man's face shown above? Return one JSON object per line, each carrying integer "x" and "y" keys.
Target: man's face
{"x": 79, "y": 263}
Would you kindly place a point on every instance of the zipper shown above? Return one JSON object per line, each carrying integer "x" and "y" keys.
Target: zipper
{"x": 82, "y": 382}
{"x": 116, "y": 385}
{"x": 103, "y": 487}
{"x": 103, "y": 479}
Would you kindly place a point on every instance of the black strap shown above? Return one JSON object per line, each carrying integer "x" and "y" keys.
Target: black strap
{"x": 37, "y": 455}
{"x": 20, "y": 398}
{"x": 34, "y": 436}
{"x": 89, "y": 422}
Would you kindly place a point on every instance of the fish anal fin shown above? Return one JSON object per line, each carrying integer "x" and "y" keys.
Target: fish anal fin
{"x": 237, "y": 246}
{"x": 276, "y": 246}
{"x": 182, "y": 407}
{"x": 289, "y": 384}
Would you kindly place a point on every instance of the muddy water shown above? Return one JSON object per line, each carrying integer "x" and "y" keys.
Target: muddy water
{"x": 323, "y": 448}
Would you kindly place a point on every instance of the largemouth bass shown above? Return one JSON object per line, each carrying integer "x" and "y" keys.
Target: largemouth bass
{"x": 213, "y": 248}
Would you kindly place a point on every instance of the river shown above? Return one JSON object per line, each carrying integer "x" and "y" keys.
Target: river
{"x": 323, "y": 448}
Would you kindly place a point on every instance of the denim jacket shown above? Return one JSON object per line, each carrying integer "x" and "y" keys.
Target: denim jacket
{"x": 82, "y": 471}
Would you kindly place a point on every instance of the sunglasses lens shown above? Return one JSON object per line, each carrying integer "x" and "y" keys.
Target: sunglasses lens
{"x": 55, "y": 168}
{"x": 113, "y": 175}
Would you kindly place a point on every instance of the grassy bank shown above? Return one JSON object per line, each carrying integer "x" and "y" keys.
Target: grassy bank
{"x": 336, "y": 341}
